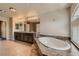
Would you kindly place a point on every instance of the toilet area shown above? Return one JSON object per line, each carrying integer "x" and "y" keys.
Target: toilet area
{"x": 29, "y": 29}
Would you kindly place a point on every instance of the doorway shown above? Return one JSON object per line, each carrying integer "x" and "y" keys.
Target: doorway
{"x": 2, "y": 30}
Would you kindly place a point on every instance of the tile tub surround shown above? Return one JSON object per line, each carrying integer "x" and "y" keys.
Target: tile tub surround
{"x": 51, "y": 52}
{"x": 57, "y": 37}
{"x": 68, "y": 39}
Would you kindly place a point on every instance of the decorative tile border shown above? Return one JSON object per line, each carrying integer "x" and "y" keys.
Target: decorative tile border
{"x": 57, "y": 37}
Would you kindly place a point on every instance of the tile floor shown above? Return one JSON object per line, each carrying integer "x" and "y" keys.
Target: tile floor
{"x": 17, "y": 48}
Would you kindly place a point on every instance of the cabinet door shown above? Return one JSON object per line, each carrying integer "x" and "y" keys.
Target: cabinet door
{"x": 25, "y": 38}
{"x": 30, "y": 39}
{"x": 17, "y": 36}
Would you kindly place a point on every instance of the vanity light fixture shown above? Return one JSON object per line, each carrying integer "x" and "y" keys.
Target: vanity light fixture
{"x": 32, "y": 18}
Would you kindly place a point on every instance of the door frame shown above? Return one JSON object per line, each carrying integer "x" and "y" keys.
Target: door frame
{"x": 5, "y": 28}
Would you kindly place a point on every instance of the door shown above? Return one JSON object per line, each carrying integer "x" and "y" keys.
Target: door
{"x": 3, "y": 30}
{"x": 0, "y": 29}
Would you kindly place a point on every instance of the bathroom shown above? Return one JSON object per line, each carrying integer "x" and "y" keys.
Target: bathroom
{"x": 52, "y": 26}
{"x": 40, "y": 29}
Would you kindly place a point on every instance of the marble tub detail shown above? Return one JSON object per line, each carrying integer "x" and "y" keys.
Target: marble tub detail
{"x": 52, "y": 46}
{"x": 54, "y": 43}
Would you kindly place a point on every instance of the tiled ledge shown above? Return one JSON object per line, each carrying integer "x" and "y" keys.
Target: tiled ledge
{"x": 58, "y": 37}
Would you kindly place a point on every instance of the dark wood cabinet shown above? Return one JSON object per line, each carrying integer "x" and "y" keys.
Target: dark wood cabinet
{"x": 23, "y": 36}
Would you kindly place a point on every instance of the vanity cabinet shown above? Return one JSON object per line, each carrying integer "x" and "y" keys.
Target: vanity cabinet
{"x": 17, "y": 36}
{"x": 23, "y": 36}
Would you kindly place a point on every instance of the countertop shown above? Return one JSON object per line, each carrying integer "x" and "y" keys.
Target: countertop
{"x": 24, "y": 32}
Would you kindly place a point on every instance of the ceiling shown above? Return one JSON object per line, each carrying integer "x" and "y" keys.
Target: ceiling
{"x": 27, "y": 9}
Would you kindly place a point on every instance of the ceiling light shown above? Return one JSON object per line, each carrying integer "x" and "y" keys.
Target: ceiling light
{"x": 12, "y": 9}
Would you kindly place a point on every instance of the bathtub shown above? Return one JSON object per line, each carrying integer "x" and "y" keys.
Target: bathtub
{"x": 57, "y": 47}
{"x": 54, "y": 43}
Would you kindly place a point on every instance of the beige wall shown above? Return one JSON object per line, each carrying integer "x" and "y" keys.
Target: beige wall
{"x": 55, "y": 23}
{"x": 52, "y": 23}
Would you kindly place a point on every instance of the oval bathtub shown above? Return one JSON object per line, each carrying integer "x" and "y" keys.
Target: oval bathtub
{"x": 54, "y": 43}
